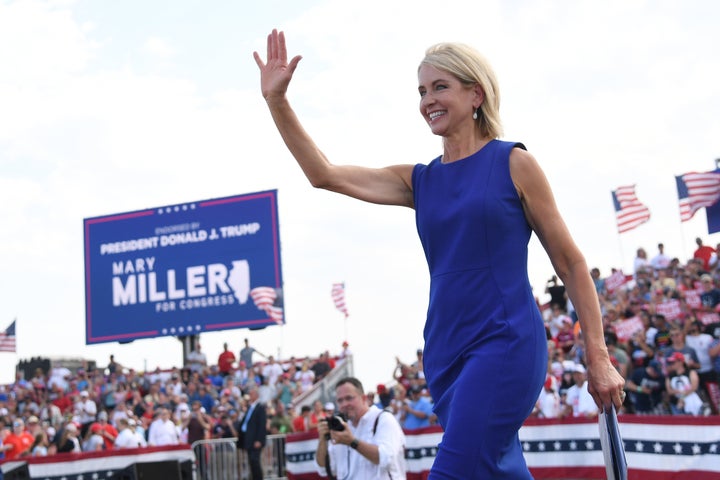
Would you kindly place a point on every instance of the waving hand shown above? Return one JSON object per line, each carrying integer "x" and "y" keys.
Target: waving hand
{"x": 275, "y": 75}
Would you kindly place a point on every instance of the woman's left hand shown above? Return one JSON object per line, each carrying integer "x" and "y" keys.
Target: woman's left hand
{"x": 606, "y": 385}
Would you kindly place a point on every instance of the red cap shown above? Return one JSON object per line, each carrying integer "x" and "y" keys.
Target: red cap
{"x": 676, "y": 357}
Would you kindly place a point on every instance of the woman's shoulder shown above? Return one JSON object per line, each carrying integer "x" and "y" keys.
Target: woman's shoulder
{"x": 422, "y": 166}
{"x": 510, "y": 145}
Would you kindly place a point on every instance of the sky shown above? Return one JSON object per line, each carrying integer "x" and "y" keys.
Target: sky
{"x": 108, "y": 107}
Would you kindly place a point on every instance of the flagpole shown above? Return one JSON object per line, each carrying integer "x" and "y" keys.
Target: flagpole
{"x": 682, "y": 239}
{"x": 622, "y": 254}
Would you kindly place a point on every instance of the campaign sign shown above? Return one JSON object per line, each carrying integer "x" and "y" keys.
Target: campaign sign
{"x": 183, "y": 269}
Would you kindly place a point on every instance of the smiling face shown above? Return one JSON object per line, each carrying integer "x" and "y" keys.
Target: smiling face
{"x": 446, "y": 104}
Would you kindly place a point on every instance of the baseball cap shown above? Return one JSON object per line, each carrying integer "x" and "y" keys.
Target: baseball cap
{"x": 655, "y": 365}
{"x": 676, "y": 357}
{"x": 84, "y": 393}
{"x": 330, "y": 406}
{"x": 33, "y": 419}
{"x": 102, "y": 415}
{"x": 579, "y": 368}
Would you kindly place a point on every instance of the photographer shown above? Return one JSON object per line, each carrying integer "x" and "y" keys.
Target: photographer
{"x": 558, "y": 295}
{"x": 368, "y": 445}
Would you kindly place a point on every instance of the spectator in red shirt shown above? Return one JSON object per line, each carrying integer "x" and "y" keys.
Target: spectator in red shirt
{"x": 225, "y": 361}
{"x": 705, "y": 253}
{"x": 62, "y": 401}
{"x": 301, "y": 423}
{"x": 106, "y": 431}
{"x": 18, "y": 441}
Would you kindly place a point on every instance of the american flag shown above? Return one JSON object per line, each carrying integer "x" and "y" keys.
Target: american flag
{"x": 629, "y": 212}
{"x": 695, "y": 191}
{"x": 264, "y": 299}
{"x": 338, "y": 296}
{"x": 7, "y": 339}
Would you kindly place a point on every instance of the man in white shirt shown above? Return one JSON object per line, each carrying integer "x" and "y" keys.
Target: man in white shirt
{"x": 84, "y": 412}
{"x": 579, "y": 402}
{"x": 162, "y": 430}
{"x": 371, "y": 443}
{"x": 548, "y": 404}
{"x": 660, "y": 260}
{"x": 557, "y": 317}
{"x": 138, "y": 431}
{"x": 196, "y": 360}
{"x": 272, "y": 370}
{"x": 126, "y": 437}
{"x": 59, "y": 377}
{"x": 701, "y": 343}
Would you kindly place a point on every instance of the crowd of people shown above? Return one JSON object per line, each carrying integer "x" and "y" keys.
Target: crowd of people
{"x": 60, "y": 410}
{"x": 662, "y": 330}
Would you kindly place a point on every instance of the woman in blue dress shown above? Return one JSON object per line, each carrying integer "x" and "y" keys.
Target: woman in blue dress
{"x": 476, "y": 206}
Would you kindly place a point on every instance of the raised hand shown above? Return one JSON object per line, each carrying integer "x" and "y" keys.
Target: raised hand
{"x": 276, "y": 73}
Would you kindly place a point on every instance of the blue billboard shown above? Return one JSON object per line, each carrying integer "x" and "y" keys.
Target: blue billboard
{"x": 183, "y": 269}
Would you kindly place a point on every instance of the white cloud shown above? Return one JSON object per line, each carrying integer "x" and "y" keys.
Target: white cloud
{"x": 158, "y": 47}
{"x": 41, "y": 44}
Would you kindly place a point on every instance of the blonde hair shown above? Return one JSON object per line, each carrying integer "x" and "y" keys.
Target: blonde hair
{"x": 470, "y": 67}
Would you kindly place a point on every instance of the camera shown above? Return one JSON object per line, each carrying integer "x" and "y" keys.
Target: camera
{"x": 336, "y": 422}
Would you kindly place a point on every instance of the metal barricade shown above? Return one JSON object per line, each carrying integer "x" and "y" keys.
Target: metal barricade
{"x": 274, "y": 457}
{"x": 220, "y": 459}
{"x": 216, "y": 459}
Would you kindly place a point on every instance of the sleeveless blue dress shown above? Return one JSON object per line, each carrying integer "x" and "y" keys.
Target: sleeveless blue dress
{"x": 485, "y": 352}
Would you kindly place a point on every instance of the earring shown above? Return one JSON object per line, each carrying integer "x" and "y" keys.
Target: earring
{"x": 475, "y": 114}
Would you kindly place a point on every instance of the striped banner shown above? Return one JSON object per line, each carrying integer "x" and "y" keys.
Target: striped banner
{"x": 656, "y": 447}
{"x": 101, "y": 465}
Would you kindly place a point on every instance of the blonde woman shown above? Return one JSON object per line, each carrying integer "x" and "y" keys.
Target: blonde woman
{"x": 476, "y": 205}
